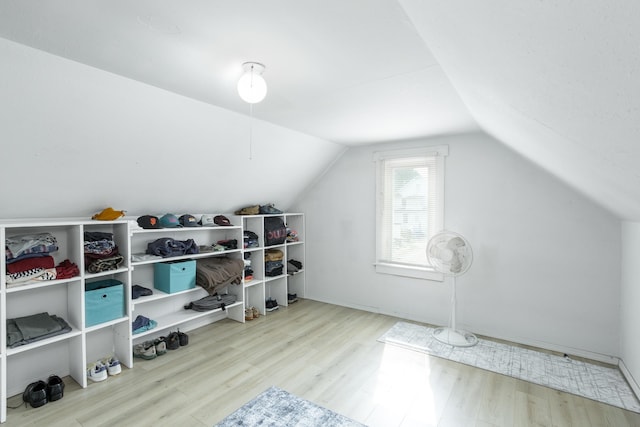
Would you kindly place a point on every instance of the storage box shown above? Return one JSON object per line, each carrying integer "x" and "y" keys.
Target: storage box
{"x": 174, "y": 276}
{"x": 103, "y": 301}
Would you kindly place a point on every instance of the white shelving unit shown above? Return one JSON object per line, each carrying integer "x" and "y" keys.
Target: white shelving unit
{"x": 69, "y": 354}
{"x": 262, "y": 287}
{"x": 66, "y": 354}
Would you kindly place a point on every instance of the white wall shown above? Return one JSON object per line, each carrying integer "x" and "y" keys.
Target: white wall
{"x": 76, "y": 139}
{"x": 630, "y": 299}
{"x": 547, "y": 260}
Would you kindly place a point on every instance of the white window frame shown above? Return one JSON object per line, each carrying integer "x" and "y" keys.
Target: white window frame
{"x": 387, "y": 266}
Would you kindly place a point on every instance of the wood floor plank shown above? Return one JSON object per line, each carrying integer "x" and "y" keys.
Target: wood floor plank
{"x": 323, "y": 353}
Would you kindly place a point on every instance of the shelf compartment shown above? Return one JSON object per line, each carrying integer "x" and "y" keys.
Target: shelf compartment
{"x": 182, "y": 229}
{"x": 106, "y": 324}
{"x": 189, "y": 256}
{"x": 40, "y": 284}
{"x": 178, "y": 318}
{"x": 41, "y": 343}
{"x": 158, "y": 295}
{"x": 90, "y": 276}
{"x": 252, "y": 282}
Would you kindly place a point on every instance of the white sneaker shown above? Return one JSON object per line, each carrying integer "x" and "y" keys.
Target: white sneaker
{"x": 97, "y": 372}
{"x": 113, "y": 365}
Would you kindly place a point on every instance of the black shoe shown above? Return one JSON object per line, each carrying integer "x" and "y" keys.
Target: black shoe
{"x": 173, "y": 341}
{"x": 183, "y": 338}
{"x": 271, "y": 304}
{"x": 35, "y": 394}
{"x": 291, "y": 298}
{"x": 55, "y": 388}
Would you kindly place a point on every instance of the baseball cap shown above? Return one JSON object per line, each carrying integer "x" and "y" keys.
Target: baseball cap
{"x": 222, "y": 220}
{"x": 169, "y": 221}
{"x": 149, "y": 221}
{"x": 207, "y": 221}
{"x": 187, "y": 220}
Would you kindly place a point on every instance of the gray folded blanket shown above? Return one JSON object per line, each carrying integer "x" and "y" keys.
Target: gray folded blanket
{"x": 27, "y": 329}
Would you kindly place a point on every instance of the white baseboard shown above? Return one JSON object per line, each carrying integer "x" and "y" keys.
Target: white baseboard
{"x": 604, "y": 358}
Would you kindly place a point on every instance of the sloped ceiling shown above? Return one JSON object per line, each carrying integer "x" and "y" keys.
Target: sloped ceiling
{"x": 557, "y": 81}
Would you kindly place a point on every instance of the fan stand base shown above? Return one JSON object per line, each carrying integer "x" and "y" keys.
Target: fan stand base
{"x": 455, "y": 338}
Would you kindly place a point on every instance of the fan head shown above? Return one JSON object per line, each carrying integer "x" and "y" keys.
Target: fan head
{"x": 449, "y": 253}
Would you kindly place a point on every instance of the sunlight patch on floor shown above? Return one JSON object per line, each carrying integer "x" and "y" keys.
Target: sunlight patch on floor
{"x": 402, "y": 390}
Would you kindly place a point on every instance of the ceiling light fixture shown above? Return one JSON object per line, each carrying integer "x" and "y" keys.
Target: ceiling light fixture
{"x": 251, "y": 87}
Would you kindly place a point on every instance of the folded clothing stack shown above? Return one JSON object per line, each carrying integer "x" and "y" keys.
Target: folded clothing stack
{"x": 101, "y": 252}
{"x": 273, "y": 262}
{"x": 28, "y": 259}
{"x": 27, "y": 329}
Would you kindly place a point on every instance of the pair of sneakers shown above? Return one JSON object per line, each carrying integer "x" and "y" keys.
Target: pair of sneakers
{"x": 150, "y": 349}
{"x": 102, "y": 369}
{"x": 39, "y": 392}
{"x": 251, "y": 313}
{"x": 271, "y": 305}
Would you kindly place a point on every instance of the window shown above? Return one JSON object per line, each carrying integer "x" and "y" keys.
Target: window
{"x": 410, "y": 209}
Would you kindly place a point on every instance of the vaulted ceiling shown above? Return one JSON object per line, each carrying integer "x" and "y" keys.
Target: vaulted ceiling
{"x": 556, "y": 81}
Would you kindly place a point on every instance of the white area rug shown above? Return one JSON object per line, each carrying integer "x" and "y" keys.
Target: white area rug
{"x": 595, "y": 382}
{"x": 277, "y": 408}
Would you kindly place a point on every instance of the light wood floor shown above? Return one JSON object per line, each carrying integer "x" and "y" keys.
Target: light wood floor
{"x": 323, "y": 353}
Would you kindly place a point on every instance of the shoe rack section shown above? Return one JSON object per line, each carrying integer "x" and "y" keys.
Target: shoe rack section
{"x": 263, "y": 287}
{"x": 167, "y": 309}
{"x": 69, "y": 354}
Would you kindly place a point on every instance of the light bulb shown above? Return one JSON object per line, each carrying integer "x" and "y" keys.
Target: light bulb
{"x": 251, "y": 87}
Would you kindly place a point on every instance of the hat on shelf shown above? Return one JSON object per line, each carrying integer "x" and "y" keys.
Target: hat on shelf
{"x": 222, "y": 220}
{"x": 187, "y": 220}
{"x": 207, "y": 221}
{"x": 149, "y": 221}
{"x": 248, "y": 210}
{"x": 169, "y": 221}
{"x": 108, "y": 214}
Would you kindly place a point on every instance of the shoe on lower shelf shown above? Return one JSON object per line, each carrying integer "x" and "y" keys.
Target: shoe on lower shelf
{"x": 173, "y": 341}
{"x": 35, "y": 394}
{"x": 248, "y": 313}
{"x": 256, "y": 313}
{"x": 113, "y": 365}
{"x": 271, "y": 305}
{"x": 291, "y": 298}
{"x": 161, "y": 346}
{"x": 55, "y": 388}
{"x": 97, "y": 372}
{"x": 144, "y": 351}
{"x": 183, "y": 338}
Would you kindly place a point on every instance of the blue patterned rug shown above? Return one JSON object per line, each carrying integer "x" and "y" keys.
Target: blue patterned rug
{"x": 275, "y": 407}
{"x": 596, "y": 382}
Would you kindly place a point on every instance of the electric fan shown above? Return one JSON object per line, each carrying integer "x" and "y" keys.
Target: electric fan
{"x": 450, "y": 254}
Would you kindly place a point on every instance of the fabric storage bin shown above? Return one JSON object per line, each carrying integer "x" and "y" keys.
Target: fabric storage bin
{"x": 174, "y": 276}
{"x": 103, "y": 301}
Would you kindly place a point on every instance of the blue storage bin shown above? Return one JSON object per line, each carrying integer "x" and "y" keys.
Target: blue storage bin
{"x": 103, "y": 301}
{"x": 174, "y": 276}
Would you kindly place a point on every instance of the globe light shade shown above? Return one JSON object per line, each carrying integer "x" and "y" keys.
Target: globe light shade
{"x": 251, "y": 87}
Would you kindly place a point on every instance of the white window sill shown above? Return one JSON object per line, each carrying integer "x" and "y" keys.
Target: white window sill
{"x": 409, "y": 271}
